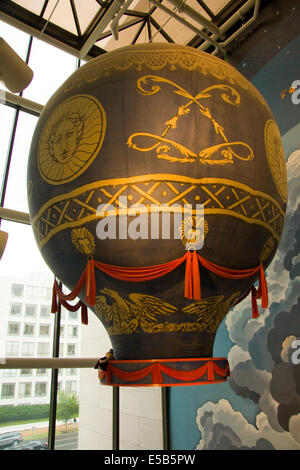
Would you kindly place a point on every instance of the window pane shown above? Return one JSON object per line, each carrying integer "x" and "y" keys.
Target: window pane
{"x": 44, "y": 60}
{"x": 28, "y": 329}
{"x": 7, "y": 115}
{"x": 32, "y": 292}
{"x": 45, "y": 311}
{"x": 15, "y": 309}
{"x": 17, "y": 290}
{"x": 28, "y": 349}
{"x": 13, "y": 328}
{"x": 8, "y": 390}
{"x": 16, "y": 191}
{"x": 30, "y": 310}
{"x": 16, "y": 39}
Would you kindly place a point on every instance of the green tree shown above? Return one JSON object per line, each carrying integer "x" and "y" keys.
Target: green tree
{"x": 67, "y": 407}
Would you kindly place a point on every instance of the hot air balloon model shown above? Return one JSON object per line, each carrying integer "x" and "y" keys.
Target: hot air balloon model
{"x": 157, "y": 195}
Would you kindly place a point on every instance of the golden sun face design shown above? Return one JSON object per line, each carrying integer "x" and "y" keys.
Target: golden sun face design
{"x": 71, "y": 139}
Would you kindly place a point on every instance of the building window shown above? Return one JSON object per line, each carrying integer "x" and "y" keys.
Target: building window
{"x": 15, "y": 309}
{"x": 32, "y": 292}
{"x": 71, "y": 372}
{"x": 46, "y": 293}
{"x": 40, "y": 389}
{"x": 73, "y": 315}
{"x": 62, "y": 331}
{"x": 73, "y": 331}
{"x": 24, "y": 389}
{"x": 30, "y": 310}
{"x": 26, "y": 372}
{"x": 17, "y": 290}
{"x": 8, "y": 391}
{"x": 71, "y": 349}
{"x": 9, "y": 373}
{"x": 12, "y": 348}
{"x": 43, "y": 349}
{"x": 44, "y": 330}
{"x": 45, "y": 311}
{"x": 13, "y": 328}
{"x": 41, "y": 372}
{"x": 71, "y": 386}
{"x": 28, "y": 329}
{"x": 27, "y": 349}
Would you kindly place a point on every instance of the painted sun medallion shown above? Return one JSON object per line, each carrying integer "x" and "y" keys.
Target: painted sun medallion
{"x": 276, "y": 159}
{"x": 71, "y": 139}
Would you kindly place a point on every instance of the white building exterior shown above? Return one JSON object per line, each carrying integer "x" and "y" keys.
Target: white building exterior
{"x": 27, "y": 331}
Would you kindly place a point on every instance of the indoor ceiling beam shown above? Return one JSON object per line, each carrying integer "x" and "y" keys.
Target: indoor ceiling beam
{"x": 189, "y": 25}
{"x": 114, "y": 26}
{"x": 207, "y": 24}
{"x": 160, "y": 30}
{"x": 235, "y": 18}
{"x": 103, "y": 23}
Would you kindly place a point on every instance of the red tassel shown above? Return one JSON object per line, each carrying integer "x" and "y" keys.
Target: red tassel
{"x": 84, "y": 314}
{"x": 90, "y": 286}
{"x": 263, "y": 289}
{"x": 196, "y": 277}
{"x": 255, "y": 313}
{"x": 210, "y": 371}
{"x": 54, "y": 305}
{"x": 188, "y": 290}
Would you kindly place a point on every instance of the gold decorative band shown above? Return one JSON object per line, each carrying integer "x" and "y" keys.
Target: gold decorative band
{"x": 218, "y": 196}
{"x": 157, "y": 58}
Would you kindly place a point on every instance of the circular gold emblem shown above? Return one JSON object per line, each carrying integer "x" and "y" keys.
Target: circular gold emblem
{"x": 276, "y": 159}
{"x": 71, "y": 139}
{"x": 193, "y": 231}
{"x": 83, "y": 240}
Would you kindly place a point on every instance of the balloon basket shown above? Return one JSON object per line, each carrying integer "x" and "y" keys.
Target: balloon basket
{"x": 164, "y": 372}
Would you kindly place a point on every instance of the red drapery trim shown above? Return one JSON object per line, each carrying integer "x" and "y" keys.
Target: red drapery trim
{"x": 210, "y": 368}
{"x": 64, "y": 298}
{"x": 192, "y": 285}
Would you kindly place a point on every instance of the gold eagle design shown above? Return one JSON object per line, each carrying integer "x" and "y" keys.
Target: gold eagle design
{"x": 211, "y": 311}
{"x": 126, "y": 316}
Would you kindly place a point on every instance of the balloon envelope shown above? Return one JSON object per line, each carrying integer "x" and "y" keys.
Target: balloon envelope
{"x": 124, "y": 154}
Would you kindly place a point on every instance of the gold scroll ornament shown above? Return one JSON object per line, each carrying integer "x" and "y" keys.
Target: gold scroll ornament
{"x": 219, "y": 154}
{"x": 71, "y": 139}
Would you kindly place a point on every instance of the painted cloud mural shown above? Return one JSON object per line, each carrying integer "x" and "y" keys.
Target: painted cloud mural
{"x": 261, "y": 357}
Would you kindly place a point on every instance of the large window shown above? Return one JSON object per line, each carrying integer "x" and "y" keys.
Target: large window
{"x": 17, "y": 290}
{"x": 15, "y": 309}
{"x": 8, "y": 390}
{"x": 30, "y": 310}
{"x": 27, "y": 324}
{"x": 25, "y": 389}
{"x": 13, "y": 328}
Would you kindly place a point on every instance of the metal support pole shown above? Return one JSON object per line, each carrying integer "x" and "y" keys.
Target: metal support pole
{"x": 54, "y": 380}
{"x": 116, "y": 419}
{"x": 165, "y": 417}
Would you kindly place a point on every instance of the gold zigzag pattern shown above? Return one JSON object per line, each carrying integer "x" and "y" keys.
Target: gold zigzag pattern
{"x": 219, "y": 196}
